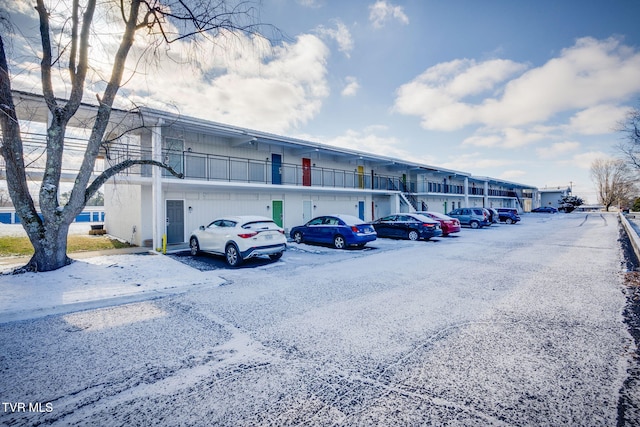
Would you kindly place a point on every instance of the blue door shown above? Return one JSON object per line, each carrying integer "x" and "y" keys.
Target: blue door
{"x": 361, "y": 210}
{"x": 276, "y": 169}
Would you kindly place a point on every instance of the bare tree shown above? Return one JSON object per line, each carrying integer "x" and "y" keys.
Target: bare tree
{"x": 614, "y": 181}
{"x": 630, "y": 146}
{"x": 164, "y": 22}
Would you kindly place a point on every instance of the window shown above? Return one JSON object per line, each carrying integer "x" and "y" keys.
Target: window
{"x": 317, "y": 221}
{"x": 259, "y": 225}
{"x": 172, "y": 152}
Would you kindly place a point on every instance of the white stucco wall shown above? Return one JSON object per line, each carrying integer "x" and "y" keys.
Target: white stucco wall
{"x": 123, "y": 206}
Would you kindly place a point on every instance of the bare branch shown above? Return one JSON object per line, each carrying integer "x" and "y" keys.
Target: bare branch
{"x": 114, "y": 170}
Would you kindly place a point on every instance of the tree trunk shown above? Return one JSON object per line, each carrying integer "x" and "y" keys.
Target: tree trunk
{"x": 50, "y": 248}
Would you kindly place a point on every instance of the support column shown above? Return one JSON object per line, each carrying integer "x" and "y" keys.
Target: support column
{"x": 159, "y": 220}
{"x": 396, "y": 203}
{"x": 466, "y": 192}
{"x": 486, "y": 195}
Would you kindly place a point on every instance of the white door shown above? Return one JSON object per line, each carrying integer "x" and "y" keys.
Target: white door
{"x": 306, "y": 211}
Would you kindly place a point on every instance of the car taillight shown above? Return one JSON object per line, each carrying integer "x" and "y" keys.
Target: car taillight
{"x": 354, "y": 229}
{"x": 428, "y": 225}
{"x": 247, "y": 235}
{"x": 281, "y": 231}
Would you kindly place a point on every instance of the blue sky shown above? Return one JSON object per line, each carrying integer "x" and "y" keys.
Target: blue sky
{"x": 528, "y": 91}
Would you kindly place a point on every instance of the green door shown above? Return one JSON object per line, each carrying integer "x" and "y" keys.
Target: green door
{"x": 276, "y": 210}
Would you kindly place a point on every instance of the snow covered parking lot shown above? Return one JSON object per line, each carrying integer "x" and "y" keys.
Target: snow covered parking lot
{"x": 511, "y": 325}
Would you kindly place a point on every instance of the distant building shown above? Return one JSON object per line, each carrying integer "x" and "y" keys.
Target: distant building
{"x": 552, "y": 196}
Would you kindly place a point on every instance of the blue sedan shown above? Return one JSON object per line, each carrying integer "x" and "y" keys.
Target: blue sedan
{"x": 338, "y": 230}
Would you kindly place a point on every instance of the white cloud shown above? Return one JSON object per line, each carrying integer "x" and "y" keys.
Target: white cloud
{"x": 382, "y": 11}
{"x": 499, "y": 93}
{"x": 352, "y": 86}
{"x": 341, "y": 35}
{"x": 20, "y": 6}
{"x": 506, "y": 138}
{"x": 311, "y": 3}
{"x": 598, "y": 120}
{"x": 557, "y": 149}
{"x": 244, "y": 81}
{"x": 233, "y": 78}
{"x": 371, "y": 140}
{"x": 437, "y": 95}
{"x": 511, "y": 175}
{"x": 584, "y": 160}
{"x": 474, "y": 162}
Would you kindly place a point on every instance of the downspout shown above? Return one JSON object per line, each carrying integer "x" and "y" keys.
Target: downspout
{"x": 159, "y": 222}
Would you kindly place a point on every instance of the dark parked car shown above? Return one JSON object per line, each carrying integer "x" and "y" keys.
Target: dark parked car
{"x": 473, "y": 217}
{"x": 447, "y": 224}
{"x": 338, "y": 230}
{"x": 508, "y": 215}
{"x": 407, "y": 226}
{"x": 545, "y": 209}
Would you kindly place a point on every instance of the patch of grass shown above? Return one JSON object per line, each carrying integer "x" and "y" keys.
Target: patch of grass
{"x": 15, "y": 245}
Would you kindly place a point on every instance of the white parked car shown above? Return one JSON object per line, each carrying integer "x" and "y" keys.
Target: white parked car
{"x": 240, "y": 237}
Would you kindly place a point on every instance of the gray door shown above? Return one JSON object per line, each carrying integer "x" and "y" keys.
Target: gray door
{"x": 175, "y": 221}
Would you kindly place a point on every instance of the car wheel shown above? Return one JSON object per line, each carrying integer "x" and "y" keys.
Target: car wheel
{"x": 509, "y": 221}
{"x": 413, "y": 235}
{"x": 474, "y": 224}
{"x": 297, "y": 237}
{"x": 338, "y": 242}
{"x": 232, "y": 255}
{"x": 194, "y": 246}
{"x": 275, "y": 257}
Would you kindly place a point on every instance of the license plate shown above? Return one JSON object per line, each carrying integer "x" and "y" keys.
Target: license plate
{"x": 268, "y": 236}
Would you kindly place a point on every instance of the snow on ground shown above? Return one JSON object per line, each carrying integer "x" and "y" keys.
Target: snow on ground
{"x": 512, "y": 325}
{"x": 95, "y": 282}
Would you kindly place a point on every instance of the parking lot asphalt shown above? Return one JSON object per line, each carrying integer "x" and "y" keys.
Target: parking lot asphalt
{"x": 511, "y": 325}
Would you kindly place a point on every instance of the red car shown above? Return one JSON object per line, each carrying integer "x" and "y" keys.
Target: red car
{"x": 449, "y": 225}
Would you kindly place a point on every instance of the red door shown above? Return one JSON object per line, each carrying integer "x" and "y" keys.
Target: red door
{"x": 306, "y": 172}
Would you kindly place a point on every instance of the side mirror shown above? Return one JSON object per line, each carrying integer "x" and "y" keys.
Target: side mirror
{"x": 202, "y": 227}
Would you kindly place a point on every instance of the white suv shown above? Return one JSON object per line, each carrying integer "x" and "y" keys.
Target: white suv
{"x": 239, "y": 237}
